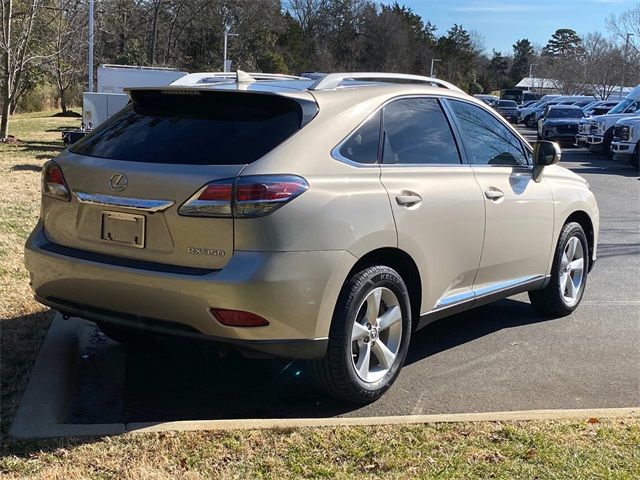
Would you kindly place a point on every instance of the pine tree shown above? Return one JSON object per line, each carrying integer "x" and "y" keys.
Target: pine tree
{"x": 563, "y": 43}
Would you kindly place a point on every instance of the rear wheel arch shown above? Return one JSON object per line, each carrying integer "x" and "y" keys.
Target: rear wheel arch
{"x": 402, "y": 263}
{"x": 581, "y": 217}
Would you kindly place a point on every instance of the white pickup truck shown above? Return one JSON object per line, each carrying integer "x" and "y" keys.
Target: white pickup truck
{"x": 626, "y": 139}
{"x": 600, "y": 133}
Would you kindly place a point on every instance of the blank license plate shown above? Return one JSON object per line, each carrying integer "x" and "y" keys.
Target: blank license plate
{"x": 123, "y": 229}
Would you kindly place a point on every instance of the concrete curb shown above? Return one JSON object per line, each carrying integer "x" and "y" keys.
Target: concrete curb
{"x": 249, "y": 424}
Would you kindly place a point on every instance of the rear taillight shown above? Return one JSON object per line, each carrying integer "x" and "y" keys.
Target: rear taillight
{"x": 53, "y": 183}
{"x": 238, "y": 318}
{"x": 245, "y": 197}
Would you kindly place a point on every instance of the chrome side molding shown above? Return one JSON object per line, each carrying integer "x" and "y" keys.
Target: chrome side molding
{"x": 146, "y": 205}
{"x": 449, "y": 305}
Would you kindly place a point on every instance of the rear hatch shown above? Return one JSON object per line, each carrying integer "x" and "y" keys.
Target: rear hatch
{"x": 128, "y": 178}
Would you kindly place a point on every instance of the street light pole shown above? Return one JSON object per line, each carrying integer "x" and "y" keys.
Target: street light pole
{"x": 624, "y": 63}
{"x": 433, "y": 60}
{"x": 224, "y": 57}
{"x": 90, "y": 39}
{"x": 531, "y": 65}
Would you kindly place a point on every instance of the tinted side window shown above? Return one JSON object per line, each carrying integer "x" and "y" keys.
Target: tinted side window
{"x": 486, "y": 139}
{"x": 362, "y": 145}
{"x": 417, "y": 132}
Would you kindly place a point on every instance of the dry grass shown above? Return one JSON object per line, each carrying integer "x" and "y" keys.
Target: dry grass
{"x": 562, "y": 450}
{"x": 23, "y": 322}
{"x": 558, "y": 450}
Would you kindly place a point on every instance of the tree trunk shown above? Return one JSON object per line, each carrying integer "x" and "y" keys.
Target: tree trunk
{"x": 63, "y": 100}
{"x": 6, "y": 81}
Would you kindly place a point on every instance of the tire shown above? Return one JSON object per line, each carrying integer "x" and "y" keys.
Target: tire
{"x": 338, "y": 373}
{"x": 606, "y": 145}
{"x": 552, "y": 300}
{"x": 528, "y": 121}
{"x": 634, "y": 160}
{"x": 538, "y": 136}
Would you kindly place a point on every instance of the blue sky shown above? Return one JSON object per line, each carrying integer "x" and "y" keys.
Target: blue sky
{"x": 501, "y": 22}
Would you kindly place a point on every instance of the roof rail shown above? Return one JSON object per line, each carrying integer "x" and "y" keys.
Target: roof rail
{"x": 238, "y": 76}
{"x": 333, "y": 80}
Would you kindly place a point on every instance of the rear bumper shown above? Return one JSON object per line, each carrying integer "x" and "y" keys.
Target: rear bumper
{"x": 295, "y": 291}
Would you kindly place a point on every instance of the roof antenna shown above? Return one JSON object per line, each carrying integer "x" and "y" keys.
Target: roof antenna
{"x": 244, "y": 77}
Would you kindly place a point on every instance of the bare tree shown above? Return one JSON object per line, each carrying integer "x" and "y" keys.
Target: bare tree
{"x": 67, "y": 36}
{"x": 626, "y": 27}
{"x": 16, "y": 49}
{"x": 602, "y": 61}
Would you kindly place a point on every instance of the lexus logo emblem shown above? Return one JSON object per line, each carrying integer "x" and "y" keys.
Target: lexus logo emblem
{"x": 119, "y": 182}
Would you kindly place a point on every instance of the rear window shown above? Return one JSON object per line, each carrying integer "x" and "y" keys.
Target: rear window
{"x": 507, "y": 104}
{"x": 208, "y": 128}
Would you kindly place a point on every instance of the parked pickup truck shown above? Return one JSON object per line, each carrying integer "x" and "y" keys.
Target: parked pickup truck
{"x": 626, "y": 139}
{"x": 600, "y": 133}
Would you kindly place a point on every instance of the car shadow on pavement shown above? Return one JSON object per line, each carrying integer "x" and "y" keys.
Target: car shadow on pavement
{"x": 470, "y": 325}
{"x": 171, "y": 380}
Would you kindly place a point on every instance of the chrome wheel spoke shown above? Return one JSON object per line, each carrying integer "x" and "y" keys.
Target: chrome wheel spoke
{"x": 577, "y": 264}
{"x": 571, "y": 248}
{"x": 373, "y": 305}
{"x": 359, "y": 331}
{"x": 563, "y": 283}
{"x": 383, "y": 354}
{"x": 390, "y": 317}
{"x": 571, "y": 288}
{"x": 364, "y": 360}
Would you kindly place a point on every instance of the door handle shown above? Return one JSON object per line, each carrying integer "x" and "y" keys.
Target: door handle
{"x": 408, "y": 199}
{"x": 493, "y": 194}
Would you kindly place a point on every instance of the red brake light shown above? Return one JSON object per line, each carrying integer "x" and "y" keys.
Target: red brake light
{"x": 237, "y": 318}
{"x": 217, "y": 192}
{"x": 251, "y": 196}
{"x": 53, "y": 183}
{"x": 262, "y": 194}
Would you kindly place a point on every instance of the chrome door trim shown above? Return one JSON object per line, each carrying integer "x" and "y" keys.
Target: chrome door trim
{"x": 146, "y": 205}
{"x": 460, "y": 302}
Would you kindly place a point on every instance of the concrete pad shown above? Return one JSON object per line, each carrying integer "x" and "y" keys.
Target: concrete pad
{"x": 44, "y": 402}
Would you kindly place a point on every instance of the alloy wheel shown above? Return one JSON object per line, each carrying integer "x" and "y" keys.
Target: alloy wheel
{"x": 572, "y": 271}
{"x": 376, "y": 334}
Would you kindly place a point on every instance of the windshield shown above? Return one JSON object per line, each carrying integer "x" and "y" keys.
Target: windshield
{"x": 220, "y": 128}
{"x": 565, "y": 113}
{"x": 625, "y": 106}
{"x": 507, "y": 104}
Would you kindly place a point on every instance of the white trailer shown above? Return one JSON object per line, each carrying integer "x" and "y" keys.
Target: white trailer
{"x": 114, "y": 78}
{"x": 110, "y": 97}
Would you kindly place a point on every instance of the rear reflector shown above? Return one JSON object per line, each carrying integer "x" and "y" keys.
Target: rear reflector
{"x": 245, "y": 197}
{"x": 53, "y": 183}
{"x": 236, "y": 318}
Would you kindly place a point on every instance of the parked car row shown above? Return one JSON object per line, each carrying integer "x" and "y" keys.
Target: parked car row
{"x": 616, "y": 131}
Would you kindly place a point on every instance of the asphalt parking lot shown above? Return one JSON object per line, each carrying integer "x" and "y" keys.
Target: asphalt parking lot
{"x": 499, "y": 357}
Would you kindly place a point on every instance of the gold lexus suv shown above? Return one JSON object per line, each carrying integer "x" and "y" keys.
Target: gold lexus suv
{"x": 323, "y": 219}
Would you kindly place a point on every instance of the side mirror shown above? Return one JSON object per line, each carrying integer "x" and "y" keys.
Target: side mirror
{"x": 544, "y": 153}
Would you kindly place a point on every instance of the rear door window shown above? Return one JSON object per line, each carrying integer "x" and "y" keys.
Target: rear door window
{"x": 206, "y": 128}
{"x": 417, "y": 132}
